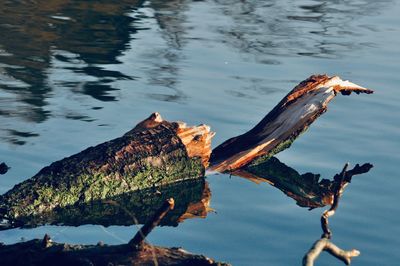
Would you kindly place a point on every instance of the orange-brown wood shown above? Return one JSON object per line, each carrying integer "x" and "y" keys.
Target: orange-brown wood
{"x": 275, "y": 132}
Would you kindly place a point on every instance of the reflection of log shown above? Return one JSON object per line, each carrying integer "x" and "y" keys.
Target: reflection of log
{"x": 324, "y": 243}
{"x": 137, "y": 207}
{"x": 306, "y": 189}
{"x": 136, "y": 252}
{"x": 155, "y": 152}
{"x": 278, "y": 129}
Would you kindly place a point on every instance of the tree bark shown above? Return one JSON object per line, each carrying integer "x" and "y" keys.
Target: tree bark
{"x": 154, "y": 153}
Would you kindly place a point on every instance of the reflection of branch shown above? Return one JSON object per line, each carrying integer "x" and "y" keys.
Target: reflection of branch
{"x": 324, "y": 243}
{"x": 137, "y": 241}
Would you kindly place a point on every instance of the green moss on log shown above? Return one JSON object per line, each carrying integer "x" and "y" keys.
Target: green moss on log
{"x": 140, "y": 159}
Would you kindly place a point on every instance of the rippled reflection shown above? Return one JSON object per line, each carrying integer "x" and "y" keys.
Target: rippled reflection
{"x": 74, "y": 39}
{"x": 68, "y": 49}
{"x": 288, "y": 28}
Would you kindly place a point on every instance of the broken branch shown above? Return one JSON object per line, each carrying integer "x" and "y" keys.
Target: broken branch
{"x": 280, "y": 127}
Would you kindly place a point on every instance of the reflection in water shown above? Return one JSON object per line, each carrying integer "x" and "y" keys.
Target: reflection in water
{"x": 192, "y": 200}
{"x": 265, "y": 29}
{"x": 71, "y": 45}
{"x": 306, "y": 189}
{"x": 40, "y": 37}
{"x": 170, "y": 17}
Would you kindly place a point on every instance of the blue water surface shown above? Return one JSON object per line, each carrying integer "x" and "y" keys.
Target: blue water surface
{"x": 74, "y": 74}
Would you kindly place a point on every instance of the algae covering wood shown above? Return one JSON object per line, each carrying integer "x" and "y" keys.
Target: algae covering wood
{"x": 280, "y": 127}
{"x": 151, "y": 154}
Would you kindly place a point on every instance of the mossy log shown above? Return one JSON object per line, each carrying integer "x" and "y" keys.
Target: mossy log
{"x": 158, "y": 152}
{"x": 154, "y": 153}
{"x": 280, "y": 127}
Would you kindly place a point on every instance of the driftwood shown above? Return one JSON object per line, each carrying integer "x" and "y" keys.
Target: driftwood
{"x": 280, "y": 127}
{"x": 157, "y": 152}
{"x": 324, "y": 243}
{"x": 154, "y": 153}
{"x": 136, "y": 252}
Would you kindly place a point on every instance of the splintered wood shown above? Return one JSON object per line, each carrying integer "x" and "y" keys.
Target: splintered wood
{"x": 197, "y": 141}
{"x": 279, "y": 128}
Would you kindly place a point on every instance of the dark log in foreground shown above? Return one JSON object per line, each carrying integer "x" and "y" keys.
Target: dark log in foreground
{"x": 136, "y": 252}
{"x": 137, "y": 207}
{"x": 324, "y": 243}
{"x": 33, "y": 253}
{"x": 280, "y": 127}
{"x": 154, "y": 153}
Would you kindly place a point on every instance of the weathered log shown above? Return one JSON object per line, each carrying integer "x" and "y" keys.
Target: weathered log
{"x": 137, "y": 207}
{"x": 279, "y": 128}
{"x": 158, "y": 152}
{"x": 154, "y": 153}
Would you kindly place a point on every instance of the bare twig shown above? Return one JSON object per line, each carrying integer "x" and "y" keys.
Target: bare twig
{"x": 137, "y": 240}
{"x": 324, "y": 243}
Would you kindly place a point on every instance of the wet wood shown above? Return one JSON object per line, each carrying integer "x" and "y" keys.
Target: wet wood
{"x": 153, "y": 153}
{"x": 280, "y": 127}
{"x": 45, "y": 252}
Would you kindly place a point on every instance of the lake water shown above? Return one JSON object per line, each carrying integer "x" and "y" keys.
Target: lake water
{"x": 74, "y": 74}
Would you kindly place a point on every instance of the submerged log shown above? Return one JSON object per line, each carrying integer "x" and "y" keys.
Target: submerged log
{"x": 280, "y": 127}
{"x": 154, "y": 153}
